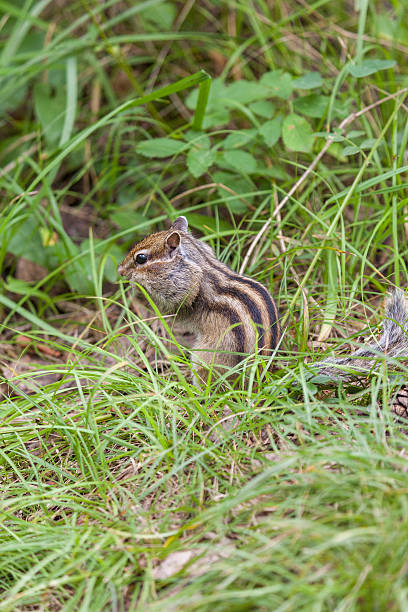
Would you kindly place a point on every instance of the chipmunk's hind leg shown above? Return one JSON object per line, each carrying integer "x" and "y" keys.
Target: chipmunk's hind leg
{"x": 204, "y": 355}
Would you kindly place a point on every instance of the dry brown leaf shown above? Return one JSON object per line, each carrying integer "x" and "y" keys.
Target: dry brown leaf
{"x": 219, "y": 60}
{"x": 40, "y": 346}
{"x": 28, "y": 270}
{"x": 173, "y": 563}
{"x": 222, "y": 551}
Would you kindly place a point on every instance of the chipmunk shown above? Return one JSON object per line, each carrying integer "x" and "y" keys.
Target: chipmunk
{"x": 231, "y": 315}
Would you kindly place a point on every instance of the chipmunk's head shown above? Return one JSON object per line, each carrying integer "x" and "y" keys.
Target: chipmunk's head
{"x": 161, "y": 264}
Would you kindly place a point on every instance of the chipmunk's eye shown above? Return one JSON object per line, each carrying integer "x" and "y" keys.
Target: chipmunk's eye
{"x": 141, "y": 258}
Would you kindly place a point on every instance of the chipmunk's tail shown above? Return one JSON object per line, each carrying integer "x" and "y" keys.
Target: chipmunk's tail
{"x": 393, "y": 343}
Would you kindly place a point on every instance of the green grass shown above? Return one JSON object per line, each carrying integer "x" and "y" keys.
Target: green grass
{"x": 123, "y": 487}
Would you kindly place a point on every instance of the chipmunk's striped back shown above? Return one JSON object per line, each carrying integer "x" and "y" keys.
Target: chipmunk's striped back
{"x": 246, "y": 304}
{"x": 231, "y": 314}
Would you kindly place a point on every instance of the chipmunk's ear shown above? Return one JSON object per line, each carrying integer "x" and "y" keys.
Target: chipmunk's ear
{"x": 173, "y": 242}
{"x": 180, "y": 224}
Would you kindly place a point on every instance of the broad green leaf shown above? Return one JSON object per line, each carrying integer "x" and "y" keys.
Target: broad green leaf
{"x": 78, "y": 276}
{"x": 263, "y": 108}
{"x": 161, "y": 14}
{"x": 198, "y": 140}
{"x": 297, "y": 133}
{"x": 57, "y": 76}
{"x": 14, "y": 98}
{"x": 386, "y": 26}
{"x": 216, "y": 118}
{"x": 240, "y": 160}
{"x": 245, "y": 91}
{"x": 238, "y": 139}
{"x": 193, "y": 136}
{"x": 79, "y": 273}
{"x": 199, "y": 160}
{"x": 279, "y": 83}
{"x": 370, "y": 66}
{"x": 312, "y": 388}
{"x": 160, "y": 147}
{"x": 116, "y": 254}
{"x": 200, "y": 157}
{"x": 274, "y": 172}
{"x": 350, "y": 150}
{"x": 271, "y": 131}
{"x": 49, "y": 108}
{"x": 26, "y": 242}
{"x": 355, "y": 133}
{"x": 334, "y": 136}
{"x": 313, "y": 105}
{"x": 342, "y": 107}
{"x": 368, "y": 143}
{"x": 310, "y": 80}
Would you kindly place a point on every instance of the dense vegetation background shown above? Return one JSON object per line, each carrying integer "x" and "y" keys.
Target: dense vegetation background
{"x": 122, "y": 487}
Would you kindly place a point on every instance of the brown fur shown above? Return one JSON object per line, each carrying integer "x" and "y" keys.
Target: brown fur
{"x": 231, "y": 315}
